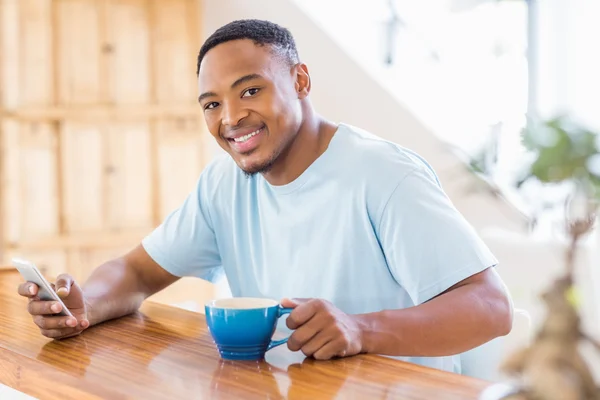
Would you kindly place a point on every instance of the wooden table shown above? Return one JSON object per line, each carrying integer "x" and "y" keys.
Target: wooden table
{"x": 164, "y": 352}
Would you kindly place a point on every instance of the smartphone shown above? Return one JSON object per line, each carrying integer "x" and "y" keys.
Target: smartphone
{"x": 45, "y": 292}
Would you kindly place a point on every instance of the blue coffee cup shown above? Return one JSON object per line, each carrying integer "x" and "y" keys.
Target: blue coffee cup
{"x": 242, "y": 327}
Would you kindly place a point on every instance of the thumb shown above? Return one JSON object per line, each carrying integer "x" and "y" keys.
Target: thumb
{"x": 292, "y": 303}
{"x": 63, "y": 285}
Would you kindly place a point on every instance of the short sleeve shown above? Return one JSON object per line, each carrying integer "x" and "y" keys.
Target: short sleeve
{"x": 184, "y": 244}
{"x": 428, "y": 244}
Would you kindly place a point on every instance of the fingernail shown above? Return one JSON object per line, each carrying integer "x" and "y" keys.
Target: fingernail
{"x": 85, "y": 323}
{"x": 55, "y": 307}
{"x": 72, "y": 322}
{"x": 61, "y": 291}
{"x": 31, "y": 289}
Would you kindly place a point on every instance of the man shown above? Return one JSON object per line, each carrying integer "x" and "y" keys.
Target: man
{"x": 352, "y": 231}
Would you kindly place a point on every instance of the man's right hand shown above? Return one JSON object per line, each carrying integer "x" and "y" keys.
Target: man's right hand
{"x": 43, "y": 312}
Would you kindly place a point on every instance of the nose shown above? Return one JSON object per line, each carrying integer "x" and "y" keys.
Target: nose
{"x": 232, "y": 114}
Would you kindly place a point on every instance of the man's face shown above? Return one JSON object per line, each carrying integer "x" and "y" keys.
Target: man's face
{"x": 250, "y": 101}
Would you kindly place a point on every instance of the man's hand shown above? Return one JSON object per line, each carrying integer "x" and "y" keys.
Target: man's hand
{"x": 321, "y": 330}
{"x": 43, "y": 312}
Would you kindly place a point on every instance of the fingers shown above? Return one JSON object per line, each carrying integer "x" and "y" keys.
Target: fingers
{"x": 28, "y": 289}
{"x": 316, "y": 343}
{"x": 49, "y": 323}
{"x": 60, "y": 333}
{"x": 305, "y": 333}
{"x": 289, "y": 303}
{"x": 328, "y": 342}
{"x": 43, "y": 307}
{"x": 60, "y": 327}
{"x": 320, "y": 330}
{"x": 304, "y": 312}
{"x": 334, "y": 348}
{"x": 63, "y": 285}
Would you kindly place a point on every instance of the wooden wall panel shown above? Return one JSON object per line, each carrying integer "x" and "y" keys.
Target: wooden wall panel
{"x": 9, "y": 54}
{"x": 36, "y": 58}
{"x": 173, "y": 58}
{"x": 78, "y": 51}
{"x": 129, "y": 184}
{"x": 82, "y": 162}
{"x": 100, "y": 135}
{"x": 51, "y": 262}
{"x": 38, "y": 195}
{"x": 11, "y": 202}
{"x": 82, "y": 262}
{"x": 128, "y": 49}
{"x": 37, "y": 159}
{"x": 179, "y": 161}
{"x": 189, "y": 292}
{"x": 9, "y": 72}
{"x": 78, "y": 264}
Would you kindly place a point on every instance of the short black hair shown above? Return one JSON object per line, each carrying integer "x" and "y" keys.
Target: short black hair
{"x": 260, "y": 32}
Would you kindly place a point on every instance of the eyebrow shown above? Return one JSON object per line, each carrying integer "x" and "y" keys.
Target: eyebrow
{"x": 238, "y": 82}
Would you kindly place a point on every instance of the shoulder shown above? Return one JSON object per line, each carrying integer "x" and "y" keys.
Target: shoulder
{"x": 219, "y": 177}
{"x": 380, "y": 169}
{"x": 220, "y": 167}
{"x": 380, "y": 162}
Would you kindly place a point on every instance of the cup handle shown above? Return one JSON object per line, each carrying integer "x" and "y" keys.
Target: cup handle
{"x": 274, "y": 343}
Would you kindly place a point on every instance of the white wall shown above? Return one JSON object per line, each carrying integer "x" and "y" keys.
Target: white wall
{"x": 568, "y": 79}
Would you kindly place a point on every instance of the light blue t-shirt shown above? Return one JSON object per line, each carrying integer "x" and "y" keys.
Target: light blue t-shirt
{"x": 367, "y": 227}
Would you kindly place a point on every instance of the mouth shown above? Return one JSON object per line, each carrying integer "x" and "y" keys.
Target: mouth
{"x": 248, "y": 142}
{"x": 247, "y": 137}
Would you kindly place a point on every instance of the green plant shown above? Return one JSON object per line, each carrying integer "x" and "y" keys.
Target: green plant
{"x": 563, "y": 151}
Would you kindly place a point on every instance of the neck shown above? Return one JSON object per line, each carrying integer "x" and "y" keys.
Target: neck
{"x": 310, "y": 143}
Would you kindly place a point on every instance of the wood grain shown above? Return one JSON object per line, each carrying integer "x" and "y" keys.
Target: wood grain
{"x": 79, "y": 65}
{"x": 100, "y": 113}
{"x": 167, "y": 353}
{"x": 88, "y": 90}
{"x": 38, "y": 192}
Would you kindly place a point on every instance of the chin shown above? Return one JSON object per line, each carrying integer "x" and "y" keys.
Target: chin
{"x": 253, "y": 170}
{"x": 256, "y": 167}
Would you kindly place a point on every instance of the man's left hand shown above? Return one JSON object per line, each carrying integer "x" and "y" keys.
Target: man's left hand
{"x": 322, "y": 330}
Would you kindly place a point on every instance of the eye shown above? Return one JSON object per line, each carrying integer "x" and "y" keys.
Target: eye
{"x": 211, "y": 105}
{"x": 250, "y": 92}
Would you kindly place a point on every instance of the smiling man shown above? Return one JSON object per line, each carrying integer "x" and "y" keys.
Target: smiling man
{"x": 352, "y": 231}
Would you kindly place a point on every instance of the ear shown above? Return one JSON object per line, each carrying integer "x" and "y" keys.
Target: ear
{"x": 302, "y": 80}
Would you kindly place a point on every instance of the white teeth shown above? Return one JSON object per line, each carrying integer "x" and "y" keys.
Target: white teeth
{"x": 242, "y": 139}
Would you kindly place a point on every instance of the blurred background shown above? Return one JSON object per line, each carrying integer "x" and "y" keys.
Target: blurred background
{"x": 101, "y": 136}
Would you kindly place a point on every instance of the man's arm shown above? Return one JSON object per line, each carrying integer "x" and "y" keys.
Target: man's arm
{"x": 465, "y": 316}
{"x": 183, "y": 244}
{"x": 114, "y": 289}
{"x": 119, "y": 287}
{"x": 470, "y": 313}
